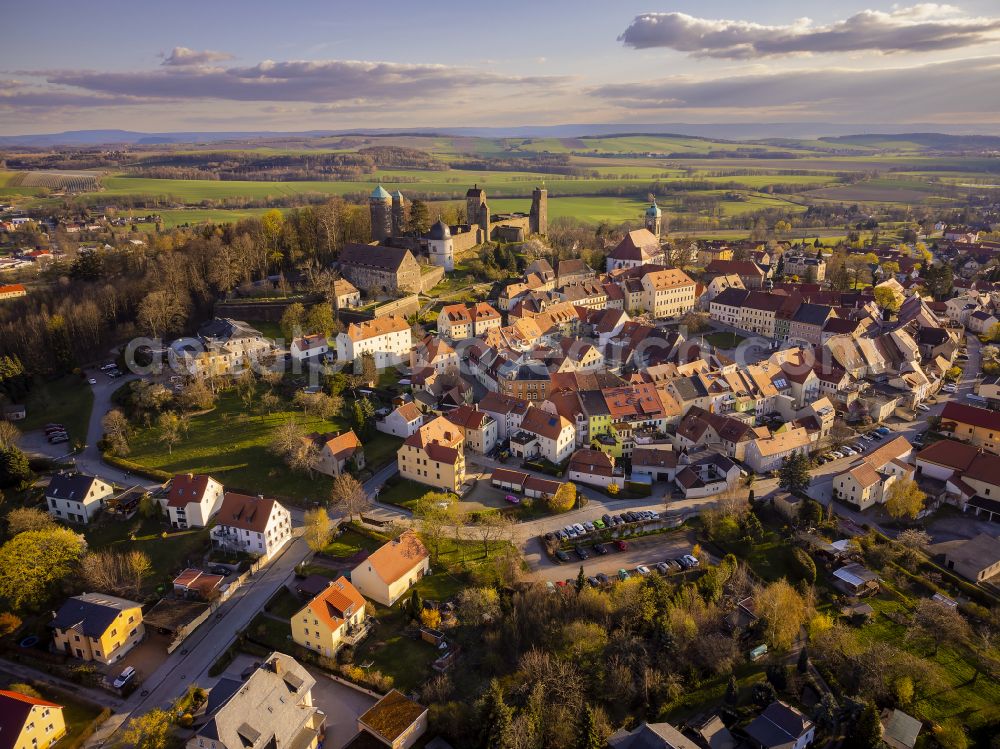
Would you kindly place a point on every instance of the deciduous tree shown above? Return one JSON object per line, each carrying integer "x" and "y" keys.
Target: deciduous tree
{"x": 564, "y": 499}
{"x": 783, "y": 611}
{"x": 349, "y": 496}
{"x": 149, "y": 731}
{"x": 318, "y": 528}
{"x": 117, "y": 432}
{"x": 33, "y": 562}
{"x": 23, "y": 519}
{"x": 906, "y": 499}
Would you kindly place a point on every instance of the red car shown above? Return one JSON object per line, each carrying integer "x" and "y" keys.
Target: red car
{"x": 622, "y": 545}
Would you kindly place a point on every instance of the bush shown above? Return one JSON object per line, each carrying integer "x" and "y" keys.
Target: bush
{"x": 139, "y": 470}
{"x": 804, "y": 566}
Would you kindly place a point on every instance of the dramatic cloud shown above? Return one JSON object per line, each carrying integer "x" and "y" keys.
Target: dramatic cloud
{"x": 317, "y": 82}
{"x": 896, "y": 93}
{"x": 918, "y": 28}
{"x": 180, "y": 56}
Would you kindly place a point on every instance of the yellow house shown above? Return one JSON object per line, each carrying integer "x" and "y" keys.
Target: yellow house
{"x": 388, "y": 572}
{"x": 434, "y": 455}
{"x": 97, "y": 627}
{"x": 28, "y": 722}
{"x": 334, "y": 618}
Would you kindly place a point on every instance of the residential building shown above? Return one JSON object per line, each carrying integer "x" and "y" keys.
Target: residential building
{"x": 657, "y": 462}
{"x": 716, "y": 286}
{"x": 97, "y": 627}
{"x": 197, "y": 584}
{"x": 434, "y": 455}
{"x": 309, "y": 347}
{"x": 668, "y": 293}
{"x": 12, "y": 291}
{"x": 572, "y": 271}
{"x": 76, "y": 497}
{"x": 751, "y": 274}
{"x": 767, "y": 453}
{"x": 760, "y": 311}
{"x": 334, "y": 618}
{"x": 869, "y": 480}
{"x": 455, "y": 322}
{"x": 395, "y": 721}
{"x": 650, "y": 736}
{"x": 253, "y": 525}
{"x": 345, "y": 295}
{"x": 981, "y": 322}
{"x": 402, "y": 421}
{"x": 273, "y": 707}
{"x": 808, "y": 322}
{"x": 596, "y": 468}
{"x": 507, "y": 411}
{"x": 979, "y": 426}
{"x": 392, "y": 569}
{"x": 479, "y": 428}
{"x": 809, "y": 268}
{"x": 337, "y": 453}
{"x": 377, "y": 269}
{"x": 226, "y": 347}
{"x": 387, "y": 339}
{"x": 193, "y": 500}
{"x": 588, "y": 294}
{"x": 544, "y": 434}
{"x": 727, "y": 306}
{"x": 434, "y": 353}
{"x": 29, "y": 722}
{"x": 781, "y": 726}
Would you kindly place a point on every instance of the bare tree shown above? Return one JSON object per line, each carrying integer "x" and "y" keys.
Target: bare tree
{"x": 114, "y": 573}
{"x": 9, "y": 435}
{"x": 117, "y": 431}
{"x": 490, "y": 528}
{"x": 349, "y": 496}
{"x": 170, "y": 430}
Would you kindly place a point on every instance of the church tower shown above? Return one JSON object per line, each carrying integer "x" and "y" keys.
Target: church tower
{"x": 380, "y": 208}
{"x": 538, "y": 219}
{"x": 654, "y": 218}
{"x": 398, "y": 214}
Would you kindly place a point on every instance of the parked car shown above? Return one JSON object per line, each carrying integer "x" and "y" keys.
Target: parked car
{"x": 837, "y": 455}
{"x": 642, "y": 570}
{"x": 622, "y": 545}
{"x": 922, "y": 407}
{"x": 623, "y": 574}
{"x": 884, "y": 431}
{"x": 848, "y": 451}
{"x": 91, "y": 381}
{"x": 512, "y": 499}
{"x": 589, "y": 527}
{"x": 601, "y": 549}
{"x": 125, "y": 677}
{"x": 673, "y": 565}
{"x": 594, "y": 583}
{"x": 662, "y": 568}
{"x": 603, "y": 579}
{"x": 562, "y": 535}
{"x": 691, "y": 561}
{"x": 562, "y": 556}
{"x": 570, "y": 531}
{"x": 582, "y": 553}
{"x": 220, "y": 570}
{"x": 607, "y": 520}
{"x": 550, "y": 586}
{"x": 580, "y": 530}
{"x": 599, "y": 525}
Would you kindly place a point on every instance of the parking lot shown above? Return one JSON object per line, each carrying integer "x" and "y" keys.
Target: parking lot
{"x": 645, "y": 550}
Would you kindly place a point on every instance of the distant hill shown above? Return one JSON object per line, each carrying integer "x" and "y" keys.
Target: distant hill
{"x": 934, "y": 141}
{"x": 937, "y": 136}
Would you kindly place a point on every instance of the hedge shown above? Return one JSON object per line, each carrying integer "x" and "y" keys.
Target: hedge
{"x": 139, "y": 470}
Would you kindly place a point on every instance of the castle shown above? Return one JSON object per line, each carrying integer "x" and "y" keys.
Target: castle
{"x": 442, "y": 242}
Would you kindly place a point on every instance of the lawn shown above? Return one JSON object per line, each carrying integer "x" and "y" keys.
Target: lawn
{"x": 271, "y": 632}
{"x": 350, "y": 542}
{"x": 973, "y": 703}
{"x": 724, "y": 339}
{"x": 284, "y": 604}
{"x": 392, "y": 651}
{"x": 169, "y": 554}
{"x": 404, "y": 493}
{"x": 232, "y": 445}
{"x": 68, "y": 400}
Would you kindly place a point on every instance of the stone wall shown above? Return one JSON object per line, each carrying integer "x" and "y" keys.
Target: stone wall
{"x": 431, "y": 278}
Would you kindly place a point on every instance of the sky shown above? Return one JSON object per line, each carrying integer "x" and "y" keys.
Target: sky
{"x": 216, "y": 65}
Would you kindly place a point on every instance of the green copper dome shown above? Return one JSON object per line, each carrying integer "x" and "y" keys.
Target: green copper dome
{"x": 380, "y": 193}
{"x": 653, "y": 210}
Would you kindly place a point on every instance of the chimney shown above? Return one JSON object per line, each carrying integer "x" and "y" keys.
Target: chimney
{"x": 276, "y": 665}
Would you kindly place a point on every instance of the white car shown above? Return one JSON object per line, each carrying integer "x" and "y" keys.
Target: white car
{"x": 691, "y": 560}
{"x": 837, "y": 455}
{"x": 92, "y": 381}
{"x": 642, "y": 569}
{"x": 847, "y": 451}
{"x": 922, "y": 407}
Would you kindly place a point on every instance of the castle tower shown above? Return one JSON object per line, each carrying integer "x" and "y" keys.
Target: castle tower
{"x": 398, "y": 214}
{"x": 440, "y": 246}
{"x": 538, "y": 220}
{"x": 484, "y": 220}
{"x": 475, "y": 199}
{"x": 380, "y": 208}
{"x": 654, "y": 218}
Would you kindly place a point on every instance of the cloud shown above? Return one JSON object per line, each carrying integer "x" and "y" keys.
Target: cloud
{"x": 17, "y": 95}
{"x": 894, "y": 93}
{"x": 918, "y": 28}
{"x": 181, "y": 56}
{"x": 317, "y": 82}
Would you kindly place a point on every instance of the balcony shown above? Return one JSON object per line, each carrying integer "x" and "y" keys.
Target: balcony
{"x": 354, "y": 635}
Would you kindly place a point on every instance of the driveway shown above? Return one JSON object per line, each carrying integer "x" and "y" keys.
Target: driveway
{"x": 342, "y": 706}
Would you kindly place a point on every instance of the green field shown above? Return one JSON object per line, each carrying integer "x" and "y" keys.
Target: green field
{"x": 232, "y": 445}
{"x": 177, "y": 216}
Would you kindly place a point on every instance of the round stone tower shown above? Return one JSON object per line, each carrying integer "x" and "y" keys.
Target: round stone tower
{"x": 440, "y": 246}
{"x": 380, "y": 208}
